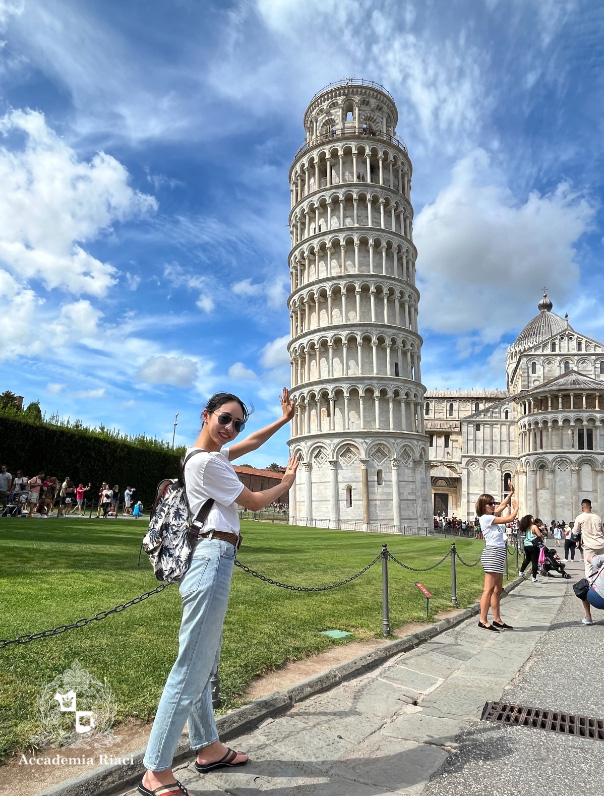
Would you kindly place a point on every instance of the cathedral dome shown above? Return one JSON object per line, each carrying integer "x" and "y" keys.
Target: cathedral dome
{"x": 542, "y": 326}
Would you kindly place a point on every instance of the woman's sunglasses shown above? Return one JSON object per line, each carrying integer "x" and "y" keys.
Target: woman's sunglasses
{"x": 224, "y": 420}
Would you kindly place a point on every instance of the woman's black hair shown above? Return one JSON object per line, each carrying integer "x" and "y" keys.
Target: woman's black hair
{"x": 220, "y": 398}
{"x": 525, "y": 523}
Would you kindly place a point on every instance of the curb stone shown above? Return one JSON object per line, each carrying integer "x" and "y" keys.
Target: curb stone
{"x": 112, "y": 778}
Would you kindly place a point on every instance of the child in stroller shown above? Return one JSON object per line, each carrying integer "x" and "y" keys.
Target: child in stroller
{"x": 17, "y": 504}
{"x": 553, "y": 563}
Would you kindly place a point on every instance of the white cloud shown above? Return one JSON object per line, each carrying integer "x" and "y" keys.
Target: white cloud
{"x": 76, "y": 321}
{"x": 9, "y": 8}
{"x": 238, "y": 372}
{"x": 275, "y": 353}
{"x": 485, "y": 256}
{"x": 176, "y": 371}
{"x": 54, "y": 388}
{"x": 89, "y": 394}
{"x": 205, "y": 303}
{"x": 245, "y": 288}
{"x": 273, "y": 291}
{"x": 52, "y": 202}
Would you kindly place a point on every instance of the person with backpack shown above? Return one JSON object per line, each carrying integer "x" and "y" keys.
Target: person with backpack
{"x": 533, "y": 537}
{"x": 214, "y": 490}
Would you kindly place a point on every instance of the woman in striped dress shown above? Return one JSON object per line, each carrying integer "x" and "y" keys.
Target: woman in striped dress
{"x": 493, "y": 556}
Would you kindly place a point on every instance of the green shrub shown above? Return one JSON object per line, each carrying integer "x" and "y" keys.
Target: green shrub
{"x": 86, "y": 455}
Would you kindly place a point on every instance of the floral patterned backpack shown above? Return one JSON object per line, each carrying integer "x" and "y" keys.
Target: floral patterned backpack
{"x": 170, "y": 539}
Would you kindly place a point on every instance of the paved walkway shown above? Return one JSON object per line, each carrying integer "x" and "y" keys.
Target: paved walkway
{"x": 416, "y": 718}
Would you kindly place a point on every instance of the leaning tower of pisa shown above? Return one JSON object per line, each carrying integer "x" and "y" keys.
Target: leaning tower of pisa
{"x": 355, "y": 349}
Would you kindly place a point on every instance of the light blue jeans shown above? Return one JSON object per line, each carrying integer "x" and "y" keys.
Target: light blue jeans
{"x": 187, "y": 695}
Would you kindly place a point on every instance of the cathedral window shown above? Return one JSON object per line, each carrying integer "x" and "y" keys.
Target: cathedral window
{"x": 581, "y": 439}
{"x": 477, "y": 426}
{"x": 431, "y": 440}
{"x": 396, "y": 373}
{"x": 506, "y": 415}
{"x": 579, "y": 345}
{"x": 447, "y": 439}
{"x": 534, "y": 368}
{"x": 380, "y": 477}
{"x": 450, "y": 410}
{"x": 566, "y": 366}
{"x": 589, "y": 439}
{"x": 348, "y": 497}
{"x": 427, "y": 408}
{"x": 553, "y": 347}
{"x": 476, "y": 407}
{"x": 601, "y": 368}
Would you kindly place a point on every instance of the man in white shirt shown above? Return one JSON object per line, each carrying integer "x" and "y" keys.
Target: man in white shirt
{"x": 589, "y": 525}
{"x": 6, "y": 480}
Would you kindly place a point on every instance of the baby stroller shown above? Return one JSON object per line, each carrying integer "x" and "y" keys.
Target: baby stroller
{"x": 553, "y": 563}
{"x": 16, "y": 507}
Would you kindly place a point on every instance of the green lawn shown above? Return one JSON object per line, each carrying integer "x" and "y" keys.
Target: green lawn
{"x": 57, "y": 571}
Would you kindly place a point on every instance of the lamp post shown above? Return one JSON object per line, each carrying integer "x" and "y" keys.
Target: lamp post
{"x": 175, "y": 424}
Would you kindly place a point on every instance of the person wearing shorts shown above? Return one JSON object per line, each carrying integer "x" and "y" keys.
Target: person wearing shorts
{"x": 80, "y": 489}
{"x": 115, "y": 500}
{"x": 493, "y": 557}
{"x": 127, "y": 501}
{"x": 35, "y": 485}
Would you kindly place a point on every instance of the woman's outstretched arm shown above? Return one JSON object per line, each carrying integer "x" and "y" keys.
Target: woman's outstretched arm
{"x": 258, "y": 438}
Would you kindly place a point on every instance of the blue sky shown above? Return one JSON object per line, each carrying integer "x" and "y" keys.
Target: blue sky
{"x": 144, "y": 152}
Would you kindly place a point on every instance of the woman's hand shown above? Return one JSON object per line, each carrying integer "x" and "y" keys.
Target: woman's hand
{"x": 289, "y": 475}
{"x": 288, "y": 405}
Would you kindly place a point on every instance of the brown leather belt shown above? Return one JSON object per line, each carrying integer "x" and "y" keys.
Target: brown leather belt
{"x": 224, "y": 536}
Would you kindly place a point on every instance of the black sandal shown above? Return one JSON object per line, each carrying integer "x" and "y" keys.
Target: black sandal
{"x": 488, "y": 627}
{"x": 164, "y": 790}
{"x": 502, "y": 626}
{"x": 226, "y": 761}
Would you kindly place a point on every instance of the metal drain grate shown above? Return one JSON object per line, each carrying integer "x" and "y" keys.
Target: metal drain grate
{"x": 552, "y": 720}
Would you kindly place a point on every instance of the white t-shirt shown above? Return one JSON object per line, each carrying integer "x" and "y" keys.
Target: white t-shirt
{"x": 590, "y": 526}
{"x": 20, "y": 484}
{"x": 492, "y": 532}
{"x": 211, "y": 475}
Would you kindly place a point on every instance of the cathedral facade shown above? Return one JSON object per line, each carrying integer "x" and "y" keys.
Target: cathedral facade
{"x": 544, "y": 433}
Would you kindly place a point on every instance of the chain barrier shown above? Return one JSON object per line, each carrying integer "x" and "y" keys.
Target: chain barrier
{"x": 461, "y": 561}
{"x": 272, "y": 582}
{"x": 56, "y": 631}
{"x": 415, "y": 569}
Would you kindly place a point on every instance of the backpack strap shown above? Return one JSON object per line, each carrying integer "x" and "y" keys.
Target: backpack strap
{"x": 202, "y": 514}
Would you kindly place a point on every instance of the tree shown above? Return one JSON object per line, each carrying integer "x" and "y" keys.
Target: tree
{"x": 9, "y": 399}
{"x": 33, "y": 412}
{"x": 276, "y": 468}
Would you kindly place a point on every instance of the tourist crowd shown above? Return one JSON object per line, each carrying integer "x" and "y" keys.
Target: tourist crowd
{"x": 41, "y": 495}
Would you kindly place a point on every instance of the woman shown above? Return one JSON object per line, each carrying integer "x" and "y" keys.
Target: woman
{"x": 493, "y": 557}
{"x": 187, "y": 695}
{"x": 115, "y": 500}
{"x": 68, "y": 501}
{"x": 570, "y": 542}
{"x": 532, "y": 536}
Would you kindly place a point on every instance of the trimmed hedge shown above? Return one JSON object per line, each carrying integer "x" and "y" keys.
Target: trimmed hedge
{"x": 84, "y": 456}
